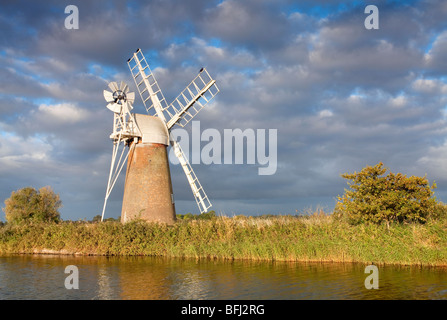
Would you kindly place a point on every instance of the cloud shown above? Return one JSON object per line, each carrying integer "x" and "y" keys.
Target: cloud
{"x": 340, "y": 96}
{"x": 63, "y": 114}
{"x": 251, "y": 24}
{"x": 435, "y": 58}
{"x": 16, "y": 151}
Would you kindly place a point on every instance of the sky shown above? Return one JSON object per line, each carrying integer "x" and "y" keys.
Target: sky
{"x": 340, "y": 96}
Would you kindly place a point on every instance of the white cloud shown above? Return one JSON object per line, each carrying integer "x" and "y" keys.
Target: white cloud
{"x": 435, "y": 58}
{"x": 61, "y": 113}
{"x": 430, "y": 86}
{"x": 17, "y": 153}
{"x": 399, "y": 101}
{"x": 325, "y": 113}
{"x": 434, "y": 161}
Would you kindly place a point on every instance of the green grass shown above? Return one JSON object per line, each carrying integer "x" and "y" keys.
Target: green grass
{"x": 317, "y": 237}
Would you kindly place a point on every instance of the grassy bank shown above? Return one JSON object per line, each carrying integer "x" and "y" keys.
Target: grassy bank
{"x": 317, "y": 237}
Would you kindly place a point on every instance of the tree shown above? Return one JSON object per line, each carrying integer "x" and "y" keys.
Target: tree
{"x": 28, "y": 204}
{"x": 97, "y": 218}
{"x": 393, "y": 197}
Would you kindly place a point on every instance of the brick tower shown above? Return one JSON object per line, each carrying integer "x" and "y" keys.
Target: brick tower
{"x": 148, "y": 191}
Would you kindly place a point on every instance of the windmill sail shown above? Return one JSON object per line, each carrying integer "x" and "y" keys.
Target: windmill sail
{"x": 147, "y": 85}
{"x": 188, "y": 103}
{"x": 199, "y": 193}
{"x": 192, "y": 99}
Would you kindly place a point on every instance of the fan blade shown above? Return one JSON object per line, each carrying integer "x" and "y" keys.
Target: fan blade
{"x": 129, "y": 106}
{"x": 108, "y": 96}
{"x": 114, "y": 107}
{"x": 113, "y": 86}
{"x": 130, "y": 97}
{"x": 126, "y": 107}
{"x": 122, "y": 85}
{"x": 126, "y": 88}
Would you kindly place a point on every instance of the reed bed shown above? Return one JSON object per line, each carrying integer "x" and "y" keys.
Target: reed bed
{"x": 315, "y": 237}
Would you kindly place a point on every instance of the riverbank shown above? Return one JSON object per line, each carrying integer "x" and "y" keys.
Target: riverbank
{"x": 318, "y": 237}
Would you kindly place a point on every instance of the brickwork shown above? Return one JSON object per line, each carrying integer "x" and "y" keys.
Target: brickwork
{"x": 148, "y": 188}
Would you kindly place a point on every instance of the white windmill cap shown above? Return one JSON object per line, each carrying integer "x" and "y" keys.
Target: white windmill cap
{"x": 153, "y": 129}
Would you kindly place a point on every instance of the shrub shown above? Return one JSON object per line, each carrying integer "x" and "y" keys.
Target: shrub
{"x": 203, "y": 216}
{"x": 380, "y": 198}
{"x": 207, "y": 215}
{"x": 29, "y": 204}
{"x": 96, "y": 218}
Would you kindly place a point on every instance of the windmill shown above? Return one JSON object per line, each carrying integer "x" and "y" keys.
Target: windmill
{"x": 142, "y": 140}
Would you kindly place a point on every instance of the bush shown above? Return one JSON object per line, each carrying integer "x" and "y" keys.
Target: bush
{"x": 203, "y": 216}
{"x": 29, "y": 204}
{"x": 391, "y": 198}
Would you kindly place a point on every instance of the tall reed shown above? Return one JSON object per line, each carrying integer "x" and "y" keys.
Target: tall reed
{"x": 316, "y": 237}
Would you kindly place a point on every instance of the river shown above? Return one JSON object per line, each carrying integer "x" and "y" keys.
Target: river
{"x": 43, "y": 277}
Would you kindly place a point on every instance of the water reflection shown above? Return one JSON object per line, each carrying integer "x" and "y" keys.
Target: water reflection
{"x": 137, "y": 278}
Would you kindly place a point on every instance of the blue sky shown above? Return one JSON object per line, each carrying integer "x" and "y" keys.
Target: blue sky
{"x": 340, "y": 97}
